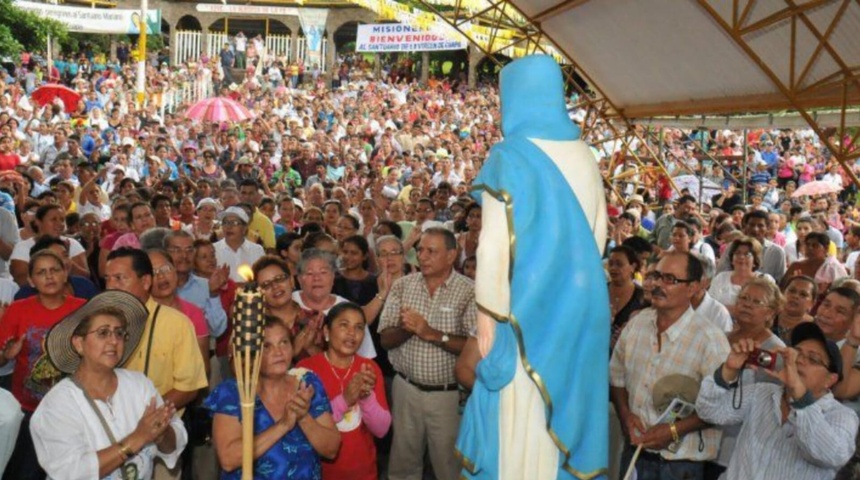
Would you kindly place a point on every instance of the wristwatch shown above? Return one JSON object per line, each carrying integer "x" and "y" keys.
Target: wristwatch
{"x": 444, "y": 340}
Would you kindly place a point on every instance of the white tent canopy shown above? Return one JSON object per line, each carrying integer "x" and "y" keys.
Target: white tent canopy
{"x": 691, "y": 57}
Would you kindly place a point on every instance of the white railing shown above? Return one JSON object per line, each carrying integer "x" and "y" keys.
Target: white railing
{"x": 214, "y": 42}
{"x": 278, "y": 46}
{"x": 186, "y": 93}
{"x": 303, "y": 52}
{"x": 187, "y": 46}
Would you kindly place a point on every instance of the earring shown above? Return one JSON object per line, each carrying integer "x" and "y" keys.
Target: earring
{"x": 326, "y": 338}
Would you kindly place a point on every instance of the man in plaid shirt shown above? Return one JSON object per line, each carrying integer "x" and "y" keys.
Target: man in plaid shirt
{"x": 424, "y": 325}
{"x": 668, "y": 339}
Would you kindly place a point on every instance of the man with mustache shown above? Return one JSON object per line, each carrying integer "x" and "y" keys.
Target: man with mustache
{"x": 669, "y": 338}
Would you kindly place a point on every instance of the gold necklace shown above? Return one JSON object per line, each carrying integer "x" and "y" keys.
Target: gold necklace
{"x": 341, "y": 379}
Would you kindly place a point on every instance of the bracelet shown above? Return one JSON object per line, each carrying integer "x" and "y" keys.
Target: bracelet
{"x": 380, "y": 297}
{"x": 124, "y": 451}
{"x": 675, "y": 437}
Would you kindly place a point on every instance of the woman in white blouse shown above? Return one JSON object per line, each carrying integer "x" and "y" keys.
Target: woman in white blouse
{"x": 745, "y": 259}
{"x": 103, "y": 421}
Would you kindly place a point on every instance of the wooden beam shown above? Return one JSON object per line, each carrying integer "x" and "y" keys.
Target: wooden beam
{"x": 739, "y": 104}
{"x": 786, "y": 13}
{"x": 774, "y": 78}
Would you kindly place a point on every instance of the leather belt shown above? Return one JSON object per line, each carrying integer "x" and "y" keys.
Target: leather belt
{"x": 430, "y": 388}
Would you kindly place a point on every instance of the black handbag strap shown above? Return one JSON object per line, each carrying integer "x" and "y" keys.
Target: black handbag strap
{"x": 149, "y": 342}
{"x": 102, "y": 420}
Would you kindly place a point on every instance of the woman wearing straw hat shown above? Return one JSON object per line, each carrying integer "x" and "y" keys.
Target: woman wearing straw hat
{"x": 103, "y": 421}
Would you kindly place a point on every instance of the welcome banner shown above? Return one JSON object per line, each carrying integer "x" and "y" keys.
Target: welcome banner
{"x": 313, "y": 25}
{"x": 97, "y": 20}
{"x": 397, "y": 37}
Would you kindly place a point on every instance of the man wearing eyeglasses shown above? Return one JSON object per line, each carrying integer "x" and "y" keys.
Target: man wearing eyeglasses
{"x": 191, "y": 288}
{"x": 235, "y": 249}
{"x": 668, "y": 339}
{"x": 793, "y": 428}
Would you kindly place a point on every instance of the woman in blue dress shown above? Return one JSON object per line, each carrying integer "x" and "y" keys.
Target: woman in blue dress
{"x": 293, "y": 426}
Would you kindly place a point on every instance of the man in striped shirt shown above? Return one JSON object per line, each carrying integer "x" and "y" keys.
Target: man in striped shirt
{"x": 793, "y": 428}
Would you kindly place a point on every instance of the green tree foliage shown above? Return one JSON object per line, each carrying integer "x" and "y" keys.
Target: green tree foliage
{"x": 31, "y": 30}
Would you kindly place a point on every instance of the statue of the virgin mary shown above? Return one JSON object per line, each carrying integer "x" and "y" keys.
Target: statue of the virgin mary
{"x": 539, "y": 407}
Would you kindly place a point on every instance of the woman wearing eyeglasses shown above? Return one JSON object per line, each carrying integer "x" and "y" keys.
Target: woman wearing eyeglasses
{"x": 22, "y": 329}
{"x": 103, "y": 421}
{"x": 757, "y": 305}
{"x": 211, "y": 169}
{"x": 745, "y": 257}
{"x": 275, "y": 281}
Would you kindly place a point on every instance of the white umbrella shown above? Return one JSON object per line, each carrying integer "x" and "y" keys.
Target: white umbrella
{"x": 691, "y": 182}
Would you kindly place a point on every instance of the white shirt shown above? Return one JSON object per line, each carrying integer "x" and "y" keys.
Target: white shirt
{"x": 716, "y": 312}
{"x": 813, "y": 443}
{"x": 366, "y": 349}
{"x": 247, "y": 254}
{"x": 103, "y": 212}
{"x": 10, "y": 421}
{"x": 850, "y": 261}
{"x": 726, "y": 292}
{"x": 22, "y": 250}
{"x": 9, "y": 234}
{"x": 67, "y": 432}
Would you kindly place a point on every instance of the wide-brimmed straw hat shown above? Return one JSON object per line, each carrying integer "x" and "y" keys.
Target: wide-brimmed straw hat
{"x": 58, "y": 341}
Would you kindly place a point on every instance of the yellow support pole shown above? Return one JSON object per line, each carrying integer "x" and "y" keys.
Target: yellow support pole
{"x": 141, "y": 64}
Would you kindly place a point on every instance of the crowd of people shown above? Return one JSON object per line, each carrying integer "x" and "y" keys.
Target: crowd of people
{"x": 125, "y": 232}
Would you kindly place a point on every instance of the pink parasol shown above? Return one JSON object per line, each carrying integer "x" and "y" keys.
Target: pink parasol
{"x": 46, "y": 94}
{"x": 218, "y": 109}
{"x": 818, "y": 187}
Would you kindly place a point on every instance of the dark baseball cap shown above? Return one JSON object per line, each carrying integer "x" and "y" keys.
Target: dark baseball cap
{"x": 810, "y": 331}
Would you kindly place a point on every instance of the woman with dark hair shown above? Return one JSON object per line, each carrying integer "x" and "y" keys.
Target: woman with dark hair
{"x": 800, "y": 293}
{"x": 332, "y": 211}
{"x": 744, "y": 255}
{"x": 289, "y": 248}
{"x": 50, "y": 220}
{"x": 683, "y": 237}
{"x": 75, "y": 286}
{"x": 22, "y": 330}
{"x": 354, "y": 282}
{"x": 797, "y": 250}
{"x": 347, "y": 226}
{"x": 356, "y": 390}
{"x": 387, "y": 227}
{"x": 625, "y": 297}
{"x": 293, "y": 425}
{"x": 824, "y": 268}
{"x": 276, "y": 283}
{"x": 321, "y": 241}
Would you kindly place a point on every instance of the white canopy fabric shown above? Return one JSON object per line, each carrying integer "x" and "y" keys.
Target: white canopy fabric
{"x": 695, "y": 57}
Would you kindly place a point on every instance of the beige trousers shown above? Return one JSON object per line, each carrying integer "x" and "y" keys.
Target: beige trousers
{"x": 423, "y": 421}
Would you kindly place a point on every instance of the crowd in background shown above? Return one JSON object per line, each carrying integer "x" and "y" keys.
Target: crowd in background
{"x": 349, "y": 199}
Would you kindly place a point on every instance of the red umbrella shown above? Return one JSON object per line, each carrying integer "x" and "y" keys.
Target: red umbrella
{"x": 45, "y": 95}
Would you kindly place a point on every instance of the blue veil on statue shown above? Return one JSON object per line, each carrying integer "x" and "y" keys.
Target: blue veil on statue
{"x": 552, "y": 332}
